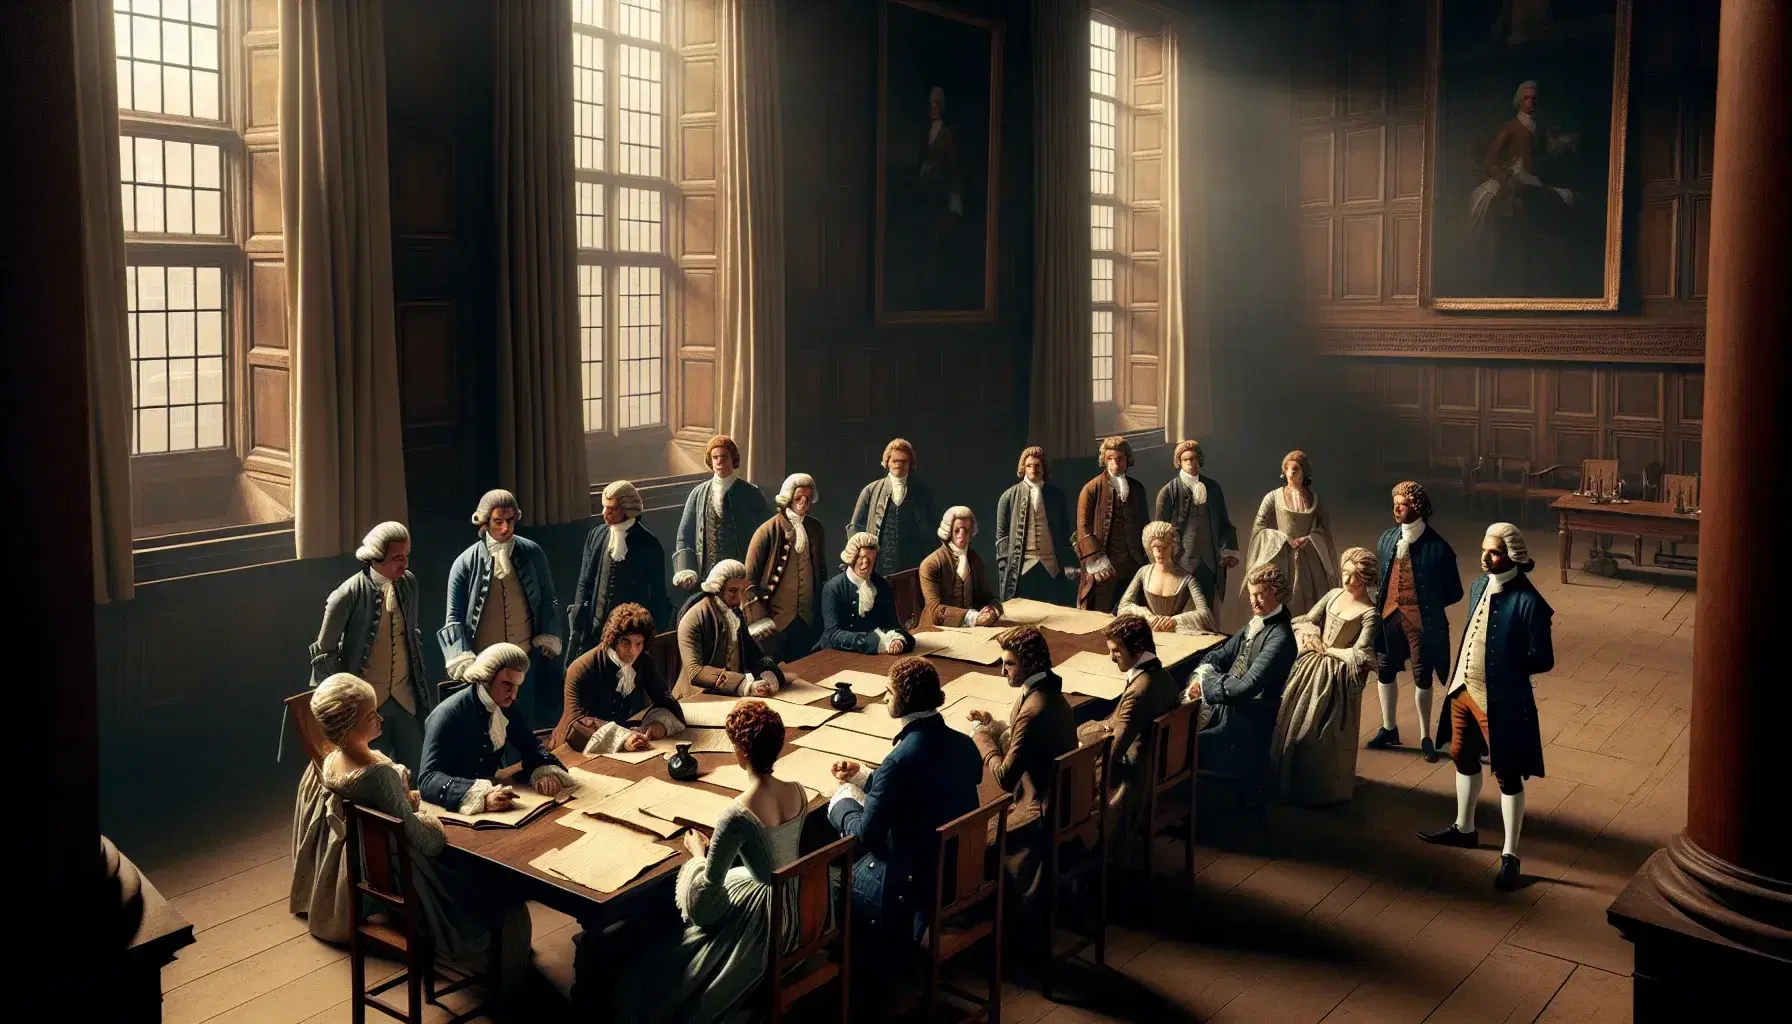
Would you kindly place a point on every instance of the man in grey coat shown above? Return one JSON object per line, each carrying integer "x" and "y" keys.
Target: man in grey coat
{"x": 370, "y": 630}
{"x": 1196, "y": 506}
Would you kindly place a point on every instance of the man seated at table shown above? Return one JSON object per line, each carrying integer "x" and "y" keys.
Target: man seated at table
{"x": 929, "y": 778}
{"x": 858, "y": 609}
{"x": 611, "y": 684}
{"x": 716, "y": 650}
{"x": 954, "y": 589}
{"x": 466, "y": 736}
{"x": 1149, "y": 694}
{"x": 1241, "y": 682}
{"x": 1022, "y": 753}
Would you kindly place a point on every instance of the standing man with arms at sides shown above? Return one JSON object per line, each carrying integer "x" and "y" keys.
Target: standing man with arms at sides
{"x": 501, "y": 590}
{"x": 787, "y": 563}
{"x": 622, "y": 564}
{"x": 1492, "y": 708}
{"x": 370, "y": 631}
{"x": 1034, "y": 558}
{"x": 1420, "y": 584}
{"x": 720, "y": 515}
{"x": 1110, "y": 529}
{"x": 897, "y": 510}
{"x": 1195, "y": 506}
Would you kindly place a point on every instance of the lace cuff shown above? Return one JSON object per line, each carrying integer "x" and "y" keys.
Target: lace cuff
{"x": 608, "y": 739}
{"x": 552, "y": 771}
{"x": 474, "y": 801}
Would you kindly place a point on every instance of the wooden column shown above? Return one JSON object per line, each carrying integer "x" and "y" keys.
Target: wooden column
{"x": 1717, "y": 903}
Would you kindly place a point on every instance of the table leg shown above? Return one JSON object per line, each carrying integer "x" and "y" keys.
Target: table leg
{"x": 1567, "y": 536}
{"x": 1637, "y": 552}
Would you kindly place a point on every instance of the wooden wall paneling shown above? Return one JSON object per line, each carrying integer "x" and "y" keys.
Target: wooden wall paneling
{"x": 1658, "y": 262}
{"x": 1634, "y": 450}
{"x": 1403, "y": 255}
{"x": 270, "y": 388}
{"x": 1316, "y": 258}
{"x": 1316, "y": 168}
{"x": 1408, "y": 160}
{"x": 1572, "y": 446}
{"x": 1576, "y": 393}
{"x": 1404, "y": 386}
{"x": 696, "y": 327}
{"x": 1700, "y": 248}
{"x": 428, "y": 354}
{"x": 265, "y": 414}
{"x": 423, "y": 207}
{"x": 1362, "y": 257}
{"x": 1456, "y": 436}
{"x": 1458, "y": 388}
{"x": 1363, "y": 164}
{"x": 1637, "y": 395}
{"x": 1691, "y": 407}
{"x": 1513, "y": 389}
{"x": 1686, "y": 454}
{"x": 1511, "y": 440}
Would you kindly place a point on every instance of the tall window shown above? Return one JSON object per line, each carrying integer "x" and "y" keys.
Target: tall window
{"x": 178, "y": 162}
{"x": 1104, "y": 145}
{"x": 621, "y": 59}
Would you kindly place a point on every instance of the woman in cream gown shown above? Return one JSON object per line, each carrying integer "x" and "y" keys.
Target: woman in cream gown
{"x": 1164, "y": 595}
{"x": 1316, "y": 731}
{"x": 1291, "y": 531}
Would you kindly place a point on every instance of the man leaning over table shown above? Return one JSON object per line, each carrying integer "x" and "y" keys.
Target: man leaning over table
{"x": 465, "y": 736}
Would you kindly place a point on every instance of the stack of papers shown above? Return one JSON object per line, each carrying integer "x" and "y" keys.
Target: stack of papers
{"x": 978, "y": 684}
{"x": 696, "y": 807}
{"x": 710, "y": 714}
{"x": 865, "y": 749}
{"x": 812, "y": 768}
{"x": 1054, "y": 616}
{"x": 591, "y": 789}
{"x": 957, "y": 645}
{"x": 799, "y": 716}
{"x": 626, "y": 806}
{"x": 1092, "y": 675}
{"x": 606, "y": 858}
{"x": 864, "y": 684}
{"x": 1176, "y": 647}
{"x": 872, "y": 721}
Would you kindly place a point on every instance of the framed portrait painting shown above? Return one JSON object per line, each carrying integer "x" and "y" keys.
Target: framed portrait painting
{"x": 939, "y": 121}
{"x": 1524, "y": 167}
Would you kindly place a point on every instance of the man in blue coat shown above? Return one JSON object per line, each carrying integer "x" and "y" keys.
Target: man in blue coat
{"x": 929, "y": 779}
{"x": 720, "y": 515}
{"x": 1492, "y": 709}
{"x": 858, "y": 609}
{"x": 465, "y": 737}
{"x": 1421, "y": 582}
{"x": 1241, "y": 680}
{"x": 500, "y": 590}
{"x": 622, "y": 564}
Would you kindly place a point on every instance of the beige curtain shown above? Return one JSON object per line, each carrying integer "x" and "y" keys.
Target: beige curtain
{"x": 108, "y": 352}
{"x": 541, "y": 434}
{"x": 753, "y": 380}
{"x": 1061, "y": 415}
{"x": 349, "y": 453}
{"x": 1187, "y": 394}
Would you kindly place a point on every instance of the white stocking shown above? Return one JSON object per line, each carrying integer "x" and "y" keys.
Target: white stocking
{"x": 1468, "y": 790}
{"x": 1423, "y": 699}
{"x": 1390, "y": 697}
{"x": 1512, "y": 812}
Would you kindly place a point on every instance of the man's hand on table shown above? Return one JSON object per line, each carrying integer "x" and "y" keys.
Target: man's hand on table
{"x": 548, "y": 784}
{"x": 845, "y": 770}
{"x": 696, "y": 844}
{"x": 635, "y": 741}
{"x": 501, "y": 798}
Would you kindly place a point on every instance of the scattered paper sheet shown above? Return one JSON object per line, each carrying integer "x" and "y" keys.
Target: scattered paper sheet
{"x": 980, "y": 684}
{"x": 812, "y": 768}
{"x": 802, "y": 691}
{"x": 957, "y": 646}
{"x": 603, "y": 859}
{"x": 702, "y": 741}
{"x": 1053, "y": 616}
{"x": 867, "y": 750}
{"x": 592, "y": 788}
{"x": 980, "y": 632}
{"x": 528, "y": 804}
{"x": 635, "y": 756}
{"x": 872, "y": 721}
{"x": 1092, "y": 675}
{"x": 711, "y": 714}
{"x": 625, "y": 806}
{"x": 800, "y": 716}
{"x": 692, "y": 806}
{"x": 1173, "y": 648}
{"x": 865, "y": 684}
{"x": 957, "y": 713}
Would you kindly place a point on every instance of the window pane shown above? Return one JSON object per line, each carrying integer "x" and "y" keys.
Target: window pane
{"x": 1104, "y": 60}
{"x": 1103, "y": 142}
{"x": 1101, "y": 279}
{"x": 589, "y": 213}
{"x": 639, "y": 110}
{"x": 588, "y": 85}
{"x": 176, "y": 184}
{"x": 588, "y": 12}
{"x": 638, "y": 225}
{"x": 1101, "y": 228}
{"x": 639, "y": 18}
{"x": 640, "y": 345}
{"x": 1101, "y": 346}
{"x": 176, "y": 323}
{"x": 168, "y": 57}
{"x": 591, "y": 344}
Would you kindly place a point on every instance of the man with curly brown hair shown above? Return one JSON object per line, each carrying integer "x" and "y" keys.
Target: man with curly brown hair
{"x": 1110, "y": 526}
{"x": 1241, "y": 681}
{"x": 614, "y": 684}
{"x": 1420, "y": 583}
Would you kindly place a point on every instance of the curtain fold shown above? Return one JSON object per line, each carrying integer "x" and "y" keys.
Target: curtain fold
{"x": 348, "y": 449}
{"x": 753, "y": 371}
{"x": 108, "y": 351}
{"x": 1061, "y": 413}
{"x": 1187, "y": 396}
{"x": 541, "y": 434}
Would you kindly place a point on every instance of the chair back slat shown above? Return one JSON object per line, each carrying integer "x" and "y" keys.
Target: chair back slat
{"x": 963, "y": 860}
{"x": 311, "y": 731}
{"x": 1598, "y": 476}
{"x": 1077, "y": 798}
{"x": 817, "y": 925}
{"x": 379, "y": 858}
{"x": 1173, "y": 747}
{"x": 1682, "y": 487}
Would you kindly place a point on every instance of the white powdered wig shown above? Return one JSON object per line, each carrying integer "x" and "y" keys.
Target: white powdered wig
{"x": 1518, "y": 93}
{"x": 373, "y": 546}
{"x": 1508, "y": 535}
{"x": 855, "y": 544}
{"x": 338, "y": 703}
{"x": 953, "y": 515}
{"x": 497, "y": 497}
{"x": 725, "y": 570}
{"x": 495, "y": 659}
{"x": 626, "y": 496}
{"x": 791, "y": 483}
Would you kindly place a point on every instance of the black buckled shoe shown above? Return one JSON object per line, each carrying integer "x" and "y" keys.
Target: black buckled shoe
{"x": 1383, "y": 739}
{"x": 1507, "y": 879}
{"x": 1450, "y": 835}
{"x": 1429, "y": 749}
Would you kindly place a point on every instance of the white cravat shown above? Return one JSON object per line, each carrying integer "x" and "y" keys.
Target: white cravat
{"x": 1138, "y": 667}
{"x": 898, "y": 488}
{"x": 498, "y": 730}
{"x": 963, "y": 558}
{"x": 867, "y": 592}
{"x": 1409, "y": 532}
{"x": 718, "y": 488}
{"x": 388, "y": 590}
{"x": 1194, "y": 484}
{"x": 625, "y": 675}
{"x": 1256, "y": 624}
{"x": 1473, "y": 659}
{"x": 802, "y": 536}
{"x": 501, "y": 555}
{"x": 1527, "y": 120}
{"x": 1120, "y": 485}
{"x": 619, "y": 540}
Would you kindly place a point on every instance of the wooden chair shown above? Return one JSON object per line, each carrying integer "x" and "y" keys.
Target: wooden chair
{"x": 1680, "y": 487}
{"x": 966, "y": 882}
{"x": 310, "y": 730}
{"x": 905, "y": 586}
{"x": 1173, "y": 753}
{"x": 1451, "y": 472}
{"x": 379, "y": 871}
{"x": 664, "y": 652}
{"x": 818, "y": 927}
{"x": 1598, "y": 476}
{"x": 1550, "y": 482}
{"x": 1504, "y": 478}
{"x": 1078, "y": 803}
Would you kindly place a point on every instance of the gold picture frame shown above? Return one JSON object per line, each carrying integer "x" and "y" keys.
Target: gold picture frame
{"x": 1611, "y": 261}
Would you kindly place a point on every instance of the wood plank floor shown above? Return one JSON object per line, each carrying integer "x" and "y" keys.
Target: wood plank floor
{"x": 1335, "y": 915}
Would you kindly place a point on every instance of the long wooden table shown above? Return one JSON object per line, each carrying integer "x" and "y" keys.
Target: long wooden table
{"x": 1655, "y": 520}
{"x": 505, "y": 854}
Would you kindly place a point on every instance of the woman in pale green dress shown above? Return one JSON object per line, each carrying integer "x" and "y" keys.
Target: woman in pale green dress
{"x": 724, "y": 892}
{"x": 1291, "y": 532}
{"x": 1315, "y": 743}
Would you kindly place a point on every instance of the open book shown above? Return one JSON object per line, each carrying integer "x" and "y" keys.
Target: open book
{"x": 529, "y": 806}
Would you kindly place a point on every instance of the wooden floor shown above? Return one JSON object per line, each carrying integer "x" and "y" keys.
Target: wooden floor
{"x": 1335, "y": 915}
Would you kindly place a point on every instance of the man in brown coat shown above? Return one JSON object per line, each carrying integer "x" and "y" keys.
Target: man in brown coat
{"x": 1022, "y": 753}
{"x": 787, "y": 566}
{"x": 1149, "y": 693}
{"x": 1110, "y": 528}
{"x": 716, "y": 650}
{"x": 954, "y": 588}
